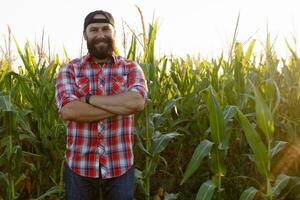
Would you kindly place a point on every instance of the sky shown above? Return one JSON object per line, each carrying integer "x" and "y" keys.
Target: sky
{"x": 185, "y": 27}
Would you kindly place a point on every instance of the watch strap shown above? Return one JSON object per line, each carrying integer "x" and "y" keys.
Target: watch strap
{"x": 87, "y": 98}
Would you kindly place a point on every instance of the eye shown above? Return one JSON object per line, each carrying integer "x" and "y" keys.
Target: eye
{"x": 106, "y": 28}
{"x": 93, "y": 29}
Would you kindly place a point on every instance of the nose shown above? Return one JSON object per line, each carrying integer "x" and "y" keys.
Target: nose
{"x": 100, "y": 34}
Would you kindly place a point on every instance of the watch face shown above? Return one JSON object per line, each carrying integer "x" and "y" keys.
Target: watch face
{"x": 87, "y": 98}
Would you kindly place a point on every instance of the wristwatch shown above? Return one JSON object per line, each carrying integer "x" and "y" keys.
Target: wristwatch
{"x": 87, "y": 98}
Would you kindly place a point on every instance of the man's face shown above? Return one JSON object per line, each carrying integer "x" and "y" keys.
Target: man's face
{"x": 100, "y": 39}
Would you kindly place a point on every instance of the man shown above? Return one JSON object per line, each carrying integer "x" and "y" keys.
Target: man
{"x": 97, "y": 95}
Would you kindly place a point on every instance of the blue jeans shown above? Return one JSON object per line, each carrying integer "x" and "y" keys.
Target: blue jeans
{"x": 84, "y": 188}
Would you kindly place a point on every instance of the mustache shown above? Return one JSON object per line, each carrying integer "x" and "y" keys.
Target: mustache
{"x": 105, "y": 40}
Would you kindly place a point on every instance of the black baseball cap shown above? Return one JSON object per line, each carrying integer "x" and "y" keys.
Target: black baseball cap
{"x": 89, "y": 19}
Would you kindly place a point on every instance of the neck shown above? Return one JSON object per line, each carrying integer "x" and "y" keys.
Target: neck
{"x": 102, "y": 61}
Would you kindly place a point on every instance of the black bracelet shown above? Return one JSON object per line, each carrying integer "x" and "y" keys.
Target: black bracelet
{"x": 87, "y": 98}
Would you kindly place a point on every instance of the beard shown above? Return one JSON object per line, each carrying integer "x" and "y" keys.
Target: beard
{"x": 103, "y": 51}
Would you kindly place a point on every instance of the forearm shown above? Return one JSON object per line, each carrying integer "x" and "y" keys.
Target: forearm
{"x": 118, "y": 110}
{"x": 122, "y": 104}
{"x": 82, "y": 112}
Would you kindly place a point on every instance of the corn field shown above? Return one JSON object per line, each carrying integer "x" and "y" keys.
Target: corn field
{"x": 225, "y": 128}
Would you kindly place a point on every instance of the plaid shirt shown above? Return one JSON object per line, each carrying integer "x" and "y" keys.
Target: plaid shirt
{"x": 107, "y": 144}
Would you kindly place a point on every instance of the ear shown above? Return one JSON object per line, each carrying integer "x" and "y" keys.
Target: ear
{"x": 84, "y": 35}
{"x": 114, "y": 31}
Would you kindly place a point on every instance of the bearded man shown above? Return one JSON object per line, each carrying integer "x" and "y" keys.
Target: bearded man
{"x": 97, "y": 95}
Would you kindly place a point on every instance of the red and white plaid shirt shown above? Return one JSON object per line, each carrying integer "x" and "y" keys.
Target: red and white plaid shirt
{"x": 107, "y": 144}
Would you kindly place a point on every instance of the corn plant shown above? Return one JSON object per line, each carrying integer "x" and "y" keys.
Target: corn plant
{"x": 36, "y": 128}
{"x": 212, "y": 129}
{"x": 215, "y": 149}
{"x": 262, "y": 141}
{"x": 264, "y": 153}
{"x": 153, "y": 135}
{"x": 11, "y": 157}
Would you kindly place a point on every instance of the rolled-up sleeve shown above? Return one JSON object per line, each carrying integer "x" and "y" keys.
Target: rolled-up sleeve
{"x": 136, "y": 80}
{"x": 65, "y": 87}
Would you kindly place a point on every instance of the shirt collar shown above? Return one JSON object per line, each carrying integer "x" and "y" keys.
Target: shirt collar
{"x": 89, "y": 58}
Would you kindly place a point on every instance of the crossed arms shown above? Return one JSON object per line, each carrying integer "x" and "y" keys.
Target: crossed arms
{"x": 102, "y": 107}
{"x": 71, "y": 102}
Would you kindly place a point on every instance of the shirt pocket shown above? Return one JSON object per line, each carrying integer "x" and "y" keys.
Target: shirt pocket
{"x": 82, "y": 86}
{"x": 118, "y": 84}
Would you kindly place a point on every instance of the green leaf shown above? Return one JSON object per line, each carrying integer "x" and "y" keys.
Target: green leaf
{"x": 228, "y": 113}
{"x": 161, "y": 141}
{"x": 10, "y": 122}
{"x": 141, "y": 146}
{"x": 53, "y": 190}
{"x": 4, "y": 178}
{"x": 150, "y": 169}
{"x": 277, "y": 148}
{"x": 281, "y": 182}
{"x": 200, "y": 152}
{"x": 171, "y": 196}
{"x": 3, "y": 157}
{"x": 170, "y": 104}
{"x": 249, "y": 51}
{"x": 179, "y": 121}
{"x": 294, "y": 188}
{"x": 216, "y": 119}
{"x": 216, "y": 161}
{"x": 206, "y": 191}
{"x": 260, "y": 151}
{"x": 5, "y": 103}
{"x": 20, "y": 180}
{"x": 238, "y": 50}
{"x": 132, "y": 50}
{"x": 139, "y": 180}
{"x": 27, "y": 61}
{"x": 264, "y": 116}
{"x": 248, "y": 194}
{"x": 239, "y": 75}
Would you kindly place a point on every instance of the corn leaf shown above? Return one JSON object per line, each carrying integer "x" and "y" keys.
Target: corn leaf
{"x": 141, "y": 146}
{"x": 249, "y": 51}
{"x": 170, "y": 105}
{"x": 228, "y": 113}
{"x": 171, "y": 196}
{"x": 161, "y": 141}
{"x": 5, "y": 103}
{"x": 277, "y": 148}
{"x": 281, "y": 182}
{"x": 150, "y": 169}
{"x": 200, "y": 152}
{"x": 248, "y": 194}
{"x": 217, "y": 163}
{"x": 256, "y": 144}
{"x": 263, "y": 114}
{"x": 53, "y": 190}
{"x": 132, "y": 50}
{"x": 206, "y": 191}
{"x": 216, "y": 119}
